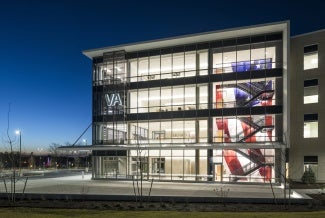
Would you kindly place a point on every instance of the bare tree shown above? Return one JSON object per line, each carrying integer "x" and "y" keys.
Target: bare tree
{"x": 14, "y": 178}
{"x": 12, "y": 158}
{"x": 141, "y": 168}
{"x": 53, "y": 149}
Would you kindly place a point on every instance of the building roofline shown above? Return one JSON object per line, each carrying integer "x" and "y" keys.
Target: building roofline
{"x": 190, "y": 38}
{"x": 309, "y": 33}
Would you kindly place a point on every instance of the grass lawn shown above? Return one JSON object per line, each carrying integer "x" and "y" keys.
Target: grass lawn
{"x": 56, "y": 213}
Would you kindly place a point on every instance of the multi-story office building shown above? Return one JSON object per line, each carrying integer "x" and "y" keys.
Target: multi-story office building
{"x": 307, "y": 70}
{"x": 204, "y": 107}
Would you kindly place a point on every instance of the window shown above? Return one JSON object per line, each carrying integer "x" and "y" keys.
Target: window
{"x": 110, "y": 133}
{"x": 133, "y": 70}
{"x": 203, "y": 131}
{"x": 203, "y": 97}
{"x": 178, "y": 65}
{"x": 311, "y": 91}
{"x": 163, "y": 99}
{"x": 158, "y": 165}
{"x": 244, "y": 94}
{"x": 310, "y": 57}
{"x": 311, "y": 163}
{"x": 244, "y": 58}
{"x": 245, "y": 129}
{"x": 190, "y": 64}
{"x": 163, "y": 132}
{"x": 143, "y": 65}
{"x": 311, "y": 126}
{"x": 203, "y": 61}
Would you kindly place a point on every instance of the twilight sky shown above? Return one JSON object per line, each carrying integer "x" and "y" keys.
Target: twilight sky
{"x": 46, "y": 79}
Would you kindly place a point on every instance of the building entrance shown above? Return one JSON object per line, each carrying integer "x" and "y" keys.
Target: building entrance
{"x": 111, "y": 167}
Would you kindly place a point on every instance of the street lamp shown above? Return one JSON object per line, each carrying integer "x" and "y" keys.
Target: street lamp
{"x": 40, "y": 157}
{"x": 18, "y": 132}
{"x": 85, "y": 141}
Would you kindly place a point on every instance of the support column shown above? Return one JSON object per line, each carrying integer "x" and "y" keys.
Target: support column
{"x": 197, "y": 164}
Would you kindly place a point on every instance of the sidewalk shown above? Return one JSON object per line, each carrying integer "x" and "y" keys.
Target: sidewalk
{"x": 82, "y": 185}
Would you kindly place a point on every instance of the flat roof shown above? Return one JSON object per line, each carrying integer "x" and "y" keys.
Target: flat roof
{"x": 192, "y": 38}
{"x": 309, "y": 33}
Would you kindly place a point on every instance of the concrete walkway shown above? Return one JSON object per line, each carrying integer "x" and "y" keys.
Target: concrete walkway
{"x": 110, "y": 189}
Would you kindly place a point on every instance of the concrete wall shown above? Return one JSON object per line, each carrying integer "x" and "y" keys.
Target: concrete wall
{"x": 300, "y": 146}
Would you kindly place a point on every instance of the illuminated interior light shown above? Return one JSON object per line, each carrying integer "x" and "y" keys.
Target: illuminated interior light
{"x": 178, "y": 104}
{"x": 179, "y": 129}
{"x": 166, "y": 97}
{"x": 314, "y": 61}
{"x": 204, "y": 65}
{"x": 167, "y": 69}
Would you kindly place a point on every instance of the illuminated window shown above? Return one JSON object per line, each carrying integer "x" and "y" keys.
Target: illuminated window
{"x": 311, "y": 164}
{"x": 311, "y": 126}
{"x": 310, "y": 57}
{"x": 203, "y": 62}
{"x": 158, "y": 165}
{"x": 311, "y": 91}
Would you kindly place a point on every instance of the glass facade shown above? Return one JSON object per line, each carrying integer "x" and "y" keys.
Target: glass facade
{"x": 168, "y": 66}
{"x": 199, "y": 112}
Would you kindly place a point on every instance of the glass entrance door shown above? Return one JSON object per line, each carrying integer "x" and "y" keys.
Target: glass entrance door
{"x": 111, "y": 167}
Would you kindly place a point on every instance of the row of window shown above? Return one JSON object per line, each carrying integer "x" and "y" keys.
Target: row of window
{"x": 248, "y": 93}
{"x": 310, "y": 93}
{"x": 250, "y": 129}
{"x": 224, "y": 60}
{"x": 243, "y": 129}
{"x": 241, "y": 58}
{"x": 252, "y": 165}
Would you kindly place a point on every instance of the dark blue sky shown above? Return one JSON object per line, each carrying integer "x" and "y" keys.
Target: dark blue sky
{"x": 47, "y": 80}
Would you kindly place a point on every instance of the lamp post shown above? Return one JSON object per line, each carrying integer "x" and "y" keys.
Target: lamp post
{"x": 40, "y": 157}
{"x": 85, "y": 141}
{"x": 18, "y": 132}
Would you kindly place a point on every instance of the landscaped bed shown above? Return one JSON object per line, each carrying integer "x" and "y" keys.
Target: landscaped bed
{"x": 80, "y": 213}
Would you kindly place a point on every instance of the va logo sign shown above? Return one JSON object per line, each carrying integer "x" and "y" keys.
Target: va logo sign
{"x": 113, "y": 99}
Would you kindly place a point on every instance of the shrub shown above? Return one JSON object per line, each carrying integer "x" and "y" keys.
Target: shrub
{"x": 308, "y": 177}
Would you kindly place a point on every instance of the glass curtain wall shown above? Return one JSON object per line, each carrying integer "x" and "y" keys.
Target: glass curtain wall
{"x": 167, "y": 132}
{"x": 181, "y": 163}
{"x": 110, "y": 133}
{"x": 167, "y": 66}
{"x": 245, "y": 129}
{"x": 245, "y": 93}
{"x": 162, "y": 99}
{"x": 172, "y": 165}
{"x": 244, "y": 165}
{"x": 242, "y": 58}
{"x": 111, "y": 71}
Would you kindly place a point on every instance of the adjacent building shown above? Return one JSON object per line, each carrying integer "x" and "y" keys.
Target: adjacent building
{"x": 205, "y": 107}
{"x": 307, "y": 73}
